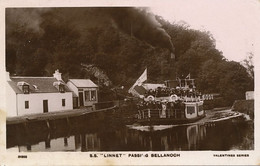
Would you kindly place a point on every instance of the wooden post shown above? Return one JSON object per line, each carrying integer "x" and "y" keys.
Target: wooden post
{"x": 54, "y": 124}
{"x": 48, "y": 124}
{"x": 68, "y": 122}
{"x": 26, "y": 127}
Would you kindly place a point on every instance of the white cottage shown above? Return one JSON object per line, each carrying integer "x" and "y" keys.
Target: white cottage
{"x": 84, "y": 92}
{"x": 30, "y": 95}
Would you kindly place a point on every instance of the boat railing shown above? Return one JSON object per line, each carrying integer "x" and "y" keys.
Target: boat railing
{"x": 173, "y": 99}
{"x": 192, "y": 99}
{"x": 176, "y": 113}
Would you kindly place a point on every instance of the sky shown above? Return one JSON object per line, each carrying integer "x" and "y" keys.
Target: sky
{"x": 235, "y": 24}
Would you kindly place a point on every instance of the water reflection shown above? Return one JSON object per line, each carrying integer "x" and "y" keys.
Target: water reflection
{"x": 221, "y": 136}
{"x": 176, "y": 138}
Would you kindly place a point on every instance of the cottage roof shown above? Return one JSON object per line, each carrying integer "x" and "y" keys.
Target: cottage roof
{"x": 36, "y": 84}
{"x": 83, "y": 83}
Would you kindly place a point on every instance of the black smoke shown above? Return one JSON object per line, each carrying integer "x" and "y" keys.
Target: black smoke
{"x": 137, "y": 22}
{"x": 141, "y": 23}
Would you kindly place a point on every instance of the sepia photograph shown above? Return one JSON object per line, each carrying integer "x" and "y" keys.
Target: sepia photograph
{"x": 139, "y": 81}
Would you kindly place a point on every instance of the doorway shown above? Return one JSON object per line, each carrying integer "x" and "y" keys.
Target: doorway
{"x": 81, "y": 99}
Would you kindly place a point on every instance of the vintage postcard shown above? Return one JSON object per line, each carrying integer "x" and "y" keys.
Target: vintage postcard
{"x": 129, "y": 82}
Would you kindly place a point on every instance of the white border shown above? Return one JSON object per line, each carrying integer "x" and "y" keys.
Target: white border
{"x": 78, "y": 158}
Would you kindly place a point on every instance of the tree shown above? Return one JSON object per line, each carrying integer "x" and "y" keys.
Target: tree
{"x": 208, "y": 78}
{"x": 234, "y": 81}
{"x": 103, "y": 37}
{"x": 248, "y": 63}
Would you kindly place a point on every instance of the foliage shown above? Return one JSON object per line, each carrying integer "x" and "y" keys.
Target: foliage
{"x": 122, "y": 42}
{"x": 249, "y": 65}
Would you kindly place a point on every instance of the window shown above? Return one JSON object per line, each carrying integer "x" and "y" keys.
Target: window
{"x": 87, "y": 95}
{"x": 61, "y": 88}
{"x": 26, "y": 104}
{"x": 26, "y": 89}
{"x": 93, "y": 95}
{"x": 190, "y": 110}
{"x": 63, "y": 102}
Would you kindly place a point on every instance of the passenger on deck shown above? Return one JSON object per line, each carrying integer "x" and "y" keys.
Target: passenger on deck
{"x": 158, "y": 105}
{"x": 150, "y": 105}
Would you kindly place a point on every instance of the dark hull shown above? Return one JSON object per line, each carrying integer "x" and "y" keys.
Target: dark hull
{"x": 167, "y": 121}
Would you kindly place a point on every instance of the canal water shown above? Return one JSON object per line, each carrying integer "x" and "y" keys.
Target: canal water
{"x": 226, "y": 135}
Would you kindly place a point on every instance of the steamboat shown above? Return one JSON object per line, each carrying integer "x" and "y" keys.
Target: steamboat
{"x": 175, "y": 102}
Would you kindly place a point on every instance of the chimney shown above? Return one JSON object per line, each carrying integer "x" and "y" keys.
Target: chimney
{"x": 8, "y": 76}
{"x": 57, "y": 75}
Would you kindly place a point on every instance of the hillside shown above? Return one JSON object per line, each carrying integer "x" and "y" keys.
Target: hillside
{"x": 120, "y": 42}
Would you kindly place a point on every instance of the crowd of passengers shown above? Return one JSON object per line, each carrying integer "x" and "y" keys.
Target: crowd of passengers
{"x": 158, "y": 105}
{"x": 165, "y": 91}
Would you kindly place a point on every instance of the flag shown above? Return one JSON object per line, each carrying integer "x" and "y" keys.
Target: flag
{"x": 142, "y": 78}
{"x": 188, "y": 76}
{"x": 139, "y": 81}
